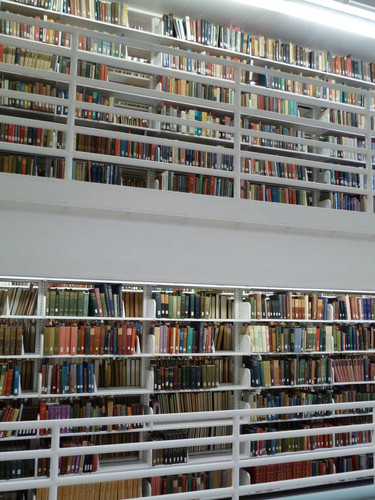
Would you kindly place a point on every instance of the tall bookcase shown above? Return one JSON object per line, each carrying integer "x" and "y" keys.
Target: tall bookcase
{"x": 143, "y": 107}
{"x": 96, "y": 350}
{"x": 227, "y": 113}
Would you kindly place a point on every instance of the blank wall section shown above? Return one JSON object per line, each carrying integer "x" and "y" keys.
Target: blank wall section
{"x": 45, "y": 234}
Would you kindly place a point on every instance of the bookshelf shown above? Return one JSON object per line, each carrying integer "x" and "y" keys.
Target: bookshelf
{"x": 273, "y": 131}
{"x": 296, "y": 363}
{"x": 312, "y": 145}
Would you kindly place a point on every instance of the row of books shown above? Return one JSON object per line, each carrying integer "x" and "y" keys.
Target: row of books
{"x": 98, "y": 98}
{"x": 349, "y": 179}
{"x": 294, "y": 470}
{"x": 352, "y": 142}
{"x": 91, "y": 70}
{"x": 204, "y": 432}
{"x": 289, "y": 397}
{"x": 274, "y": 169}
{"x": 312, "y": 90}
{"x": 14, "y": 413}
{"x": 194, "y": 89}
{"x": 342, "y": 201}
{"x": 77, "y": 464}
{"x": 287, "y": 305}
{"x": 10, "y": 379}
{"x": 45, "y": 89}
{"x": 153, "y": 152}
{"x": 199, "y": 67}
{"x": 273, "y": 104}
{"x": 263, "y": 192}
{"x": 92, "y": 408}
{"x": 276, "y": 372}
{"x": 21, "y": 301}
{"x": 67, "y": 378}
{"x": 191, "y": 402}
{"x": 91, "y": 340}
{"x": 273, "y": 129}
{"x": 196, "y": 184}
{"x": 169, "y": 456}
{"x": 96, "y": 10}
{"x": 273, "y": 339}
{"x": 297, "y": 397}
{"x": 40, "y": 166}
{"x": 126, "y": 488}
{"x": 118, "y": 372}
{"x": 34, "y": 59}
{"x": 183, "y": 374}
{"x": 35, "y": 33}
{"x": 107, "y": 173}
{"x": 353, "y": 369}
{"x": 16, "y": 469}
{"x": 103, "y": 47}
{"x": 186, "y": 339}
{"x": 32, "y": 136}
{"x": 234, "y": 39}
{"x": 192, "y": 305}
{"x": 103, "y": 300}
{"x": 198, "y": 115}
{"x": 195, "y": 481}
{"x": 304, "y": 443}
{"x": 11, "y": 340}
{"x": 342, "y": 117}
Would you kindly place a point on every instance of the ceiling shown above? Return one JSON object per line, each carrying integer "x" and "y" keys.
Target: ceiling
{"x": 274, "y": 24}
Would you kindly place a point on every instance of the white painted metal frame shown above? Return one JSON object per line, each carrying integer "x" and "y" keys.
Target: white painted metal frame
{"x": 237, "y": 459}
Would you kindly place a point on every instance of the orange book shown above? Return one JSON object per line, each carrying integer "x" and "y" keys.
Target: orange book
{"x": 61, "y": 333}
{"x": 117, "y": 147}
{"x": 73, "y": 340}
{"x": 82, "y": 344}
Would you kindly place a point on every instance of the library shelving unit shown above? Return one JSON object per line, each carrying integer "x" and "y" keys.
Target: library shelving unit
{"x": 163, "y": 376}
{"x": 200, "y": 378}
{"x": 146, "y": 106}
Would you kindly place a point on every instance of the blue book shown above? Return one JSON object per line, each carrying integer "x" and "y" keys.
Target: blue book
{"x": 79, "y": 378}
{"x": 157, "y": 298}
{"x": 190, "y": 336}
{"x": 181, "y": 341}
{"x": 115, "y": 337}
{"x": 16, "y": 380}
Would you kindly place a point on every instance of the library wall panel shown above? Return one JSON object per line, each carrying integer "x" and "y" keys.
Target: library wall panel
{"x": 49, "y": 234}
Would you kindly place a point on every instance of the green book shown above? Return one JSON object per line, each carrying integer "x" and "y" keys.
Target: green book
{"x": 66, "y": 294}
{"x": 85, "y": 303}
{"x": 52, "y": 303}
{"x": 80, "y": 303}
{"x": 60, "y": 300}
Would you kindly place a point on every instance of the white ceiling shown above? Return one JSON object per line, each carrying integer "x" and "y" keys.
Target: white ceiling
{"x": 257, "y": 20}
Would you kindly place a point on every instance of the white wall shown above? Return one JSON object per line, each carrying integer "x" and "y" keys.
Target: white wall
{"x": 79, "y": 230}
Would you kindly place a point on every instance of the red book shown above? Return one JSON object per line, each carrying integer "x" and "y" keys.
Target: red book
{"x": 97, "y": 335}
{"x": 102, "y": 341}
{"x": 82, "y": 345}
{"x": 38, "y": 137}
{"x": 42, "y": 416}
{"x": 191, "y": 183}
{"x": 117, "y": 147}
{"x": 98, "y": 301}
{"x": 212, "y": 186}
{"x": 120, "y": 335}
